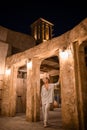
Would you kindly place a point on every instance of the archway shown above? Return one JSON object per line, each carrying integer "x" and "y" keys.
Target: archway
{"x": 21, "y": 88}
{"x": 50, "y": 66}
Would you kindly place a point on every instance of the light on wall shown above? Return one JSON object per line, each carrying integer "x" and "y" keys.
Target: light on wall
{"x": 64, "y": 53}
{"x": 8, "y": 71}
{"x": 29, "y": 64}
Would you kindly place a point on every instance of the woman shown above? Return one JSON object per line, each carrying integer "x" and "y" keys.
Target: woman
{"x": 47, "y": 97}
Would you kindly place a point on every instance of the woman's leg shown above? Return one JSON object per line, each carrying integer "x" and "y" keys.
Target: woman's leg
{"x": 47, "y": 108}
{"x": 43, "y": 111}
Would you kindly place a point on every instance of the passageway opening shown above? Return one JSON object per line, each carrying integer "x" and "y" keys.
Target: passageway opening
{"x": 51, "y": 67}
{"x": 21, "y": 90}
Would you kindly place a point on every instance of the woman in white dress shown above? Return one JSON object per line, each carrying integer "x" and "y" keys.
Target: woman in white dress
{"x": 47, "y": 98}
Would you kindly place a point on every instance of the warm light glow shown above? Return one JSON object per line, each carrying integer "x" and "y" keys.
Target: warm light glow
{"x": 35, "y": 36}
{"x": 8, "y": 71}
{"x": 64, "y": 54}
{"x": 29, "y": 65}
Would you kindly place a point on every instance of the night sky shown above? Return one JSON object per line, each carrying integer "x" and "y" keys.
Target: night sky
{"x": 64, "y": 16}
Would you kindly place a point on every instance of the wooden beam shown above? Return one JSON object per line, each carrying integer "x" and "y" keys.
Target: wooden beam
{"x": 48, "y": 67}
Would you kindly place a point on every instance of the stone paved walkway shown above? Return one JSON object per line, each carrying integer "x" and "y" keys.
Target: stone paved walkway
{"x": 19, "y": 122}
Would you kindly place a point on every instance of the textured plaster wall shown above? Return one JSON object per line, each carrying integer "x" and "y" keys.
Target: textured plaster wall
{"x": 19, "y": 40}
{"x": 3, "y": 34}
{"x": 16, "y": 39}
{"x": 3, "y": 54}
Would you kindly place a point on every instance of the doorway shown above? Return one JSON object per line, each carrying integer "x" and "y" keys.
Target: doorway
{"x": 51, "y": 67}
{"x": 21, "y": 90}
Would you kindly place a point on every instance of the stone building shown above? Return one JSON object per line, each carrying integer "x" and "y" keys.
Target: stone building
{"x": 70, "y": 49}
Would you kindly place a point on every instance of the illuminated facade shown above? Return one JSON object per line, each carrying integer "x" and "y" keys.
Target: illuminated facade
{"x": 71, "y": 50}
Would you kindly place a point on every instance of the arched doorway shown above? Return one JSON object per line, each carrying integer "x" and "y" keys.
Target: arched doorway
{"x": 21, "y": 88}
{"x": 51, "y": 67}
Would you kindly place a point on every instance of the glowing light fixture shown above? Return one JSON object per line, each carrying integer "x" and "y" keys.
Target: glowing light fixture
{"x": 64, "y": 53}
{"x": 8, "y": 71}
{"x": 29, "y": 64}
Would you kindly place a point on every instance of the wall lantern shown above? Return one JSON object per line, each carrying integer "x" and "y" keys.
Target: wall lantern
{"x": 64, "y": 53}
{"x": 29, "y": 64}
{"x": 8, "y": 71}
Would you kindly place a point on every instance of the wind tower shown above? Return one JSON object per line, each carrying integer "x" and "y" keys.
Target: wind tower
{"x": 41, "y": 30}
